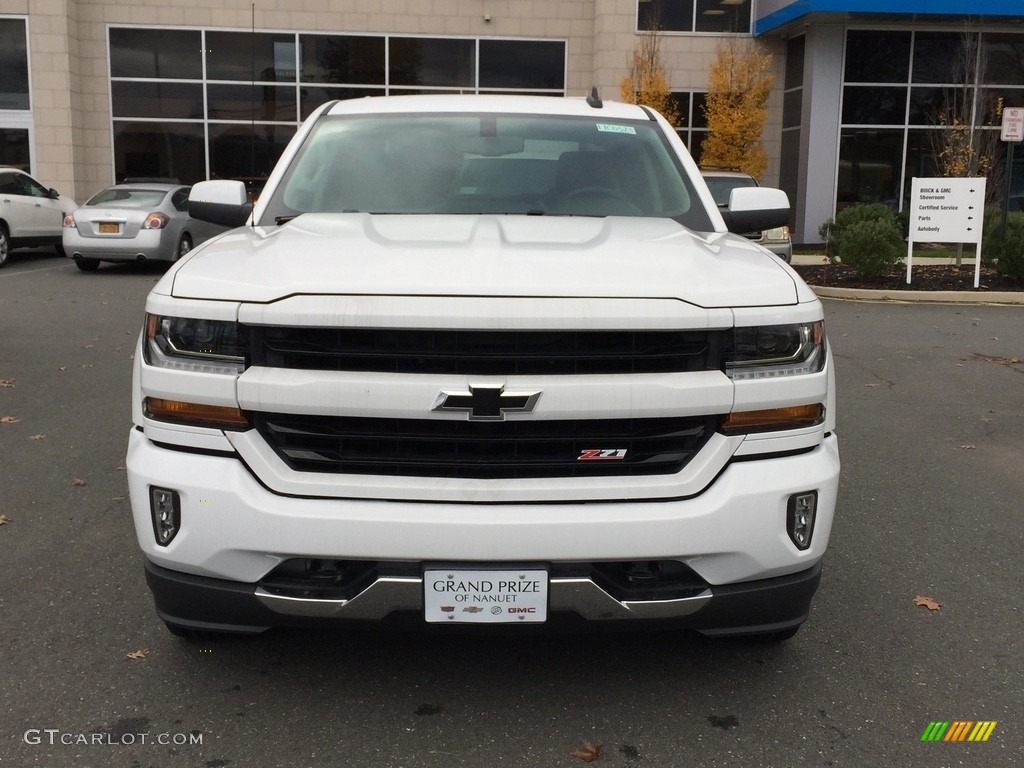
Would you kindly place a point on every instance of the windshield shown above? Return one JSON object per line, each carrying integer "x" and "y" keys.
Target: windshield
{"x": 487, "y": 163}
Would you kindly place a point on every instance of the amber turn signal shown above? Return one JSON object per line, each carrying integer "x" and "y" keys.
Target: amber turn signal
{"x": 195, "y": 414}
{"x": 771, "y": 419}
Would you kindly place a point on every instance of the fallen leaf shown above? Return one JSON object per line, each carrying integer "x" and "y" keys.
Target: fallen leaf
{"x": 996, "y": 359}
{"x": 588, "y": 754}
{"x": 9, "y": 419}
{"x": 4, "y": 519}
{"x": 36, "y": 437}
{"x": 138, "y": 655}
{"x": 927, "y": 602}
{"x": 7, "y": 383}
{"x": 78, "y": 482}
{"x": 968, "y": 447}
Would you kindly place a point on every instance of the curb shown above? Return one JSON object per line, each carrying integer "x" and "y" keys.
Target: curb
{"x": 934, "y": 297}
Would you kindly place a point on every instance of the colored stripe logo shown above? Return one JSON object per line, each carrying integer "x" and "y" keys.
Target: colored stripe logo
{"x": 958, "y": 730}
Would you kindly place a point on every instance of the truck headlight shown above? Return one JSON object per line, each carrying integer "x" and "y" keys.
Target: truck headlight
{"x": 775, "y": 351}
{"x": 193, "y": 344}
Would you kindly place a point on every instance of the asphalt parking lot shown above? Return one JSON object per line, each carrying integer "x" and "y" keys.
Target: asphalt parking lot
{"x": 931, "y": 423}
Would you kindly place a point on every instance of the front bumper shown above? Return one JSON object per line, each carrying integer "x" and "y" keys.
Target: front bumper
{"x": 234, "y": 532}
{"x": 754, "y": 607}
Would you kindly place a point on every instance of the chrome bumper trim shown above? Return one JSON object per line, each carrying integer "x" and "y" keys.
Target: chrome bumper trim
{"x": 392, "y": 593}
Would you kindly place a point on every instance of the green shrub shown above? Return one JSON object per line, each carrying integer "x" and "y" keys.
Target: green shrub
{"x": 867, "y": 237}
{"x": 873, "y": 248}
{"x": 1006, "y": 255}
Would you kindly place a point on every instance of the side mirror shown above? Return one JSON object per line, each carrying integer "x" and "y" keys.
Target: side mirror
{"x": 220, "y": 201}
{"x": 53, "y": 194}
{"x": 752, "y": 209}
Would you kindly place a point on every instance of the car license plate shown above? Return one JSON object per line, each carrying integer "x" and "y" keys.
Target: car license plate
{"x": 485, "y": 596}
{"x": 109, "y": 228}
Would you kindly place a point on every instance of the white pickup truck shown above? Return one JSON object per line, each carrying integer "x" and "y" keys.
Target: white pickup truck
{"x": 483, "y": 360}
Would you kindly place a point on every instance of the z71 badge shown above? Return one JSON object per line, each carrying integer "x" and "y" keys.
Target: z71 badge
{"x": 601, "y": 454}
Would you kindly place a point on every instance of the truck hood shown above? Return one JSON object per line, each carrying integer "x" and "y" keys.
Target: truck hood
{"x": 485, "y": 255}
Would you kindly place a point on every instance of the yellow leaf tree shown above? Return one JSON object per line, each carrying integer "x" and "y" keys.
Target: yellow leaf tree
{"x": 739, "y": 83}
{"x": 647, "y": 82}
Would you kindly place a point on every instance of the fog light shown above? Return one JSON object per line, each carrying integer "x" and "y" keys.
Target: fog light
{"x": 800, "y": 518}
{"x": 165, "y": 507}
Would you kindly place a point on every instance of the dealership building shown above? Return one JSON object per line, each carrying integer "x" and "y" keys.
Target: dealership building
{"x": 92, "y": 91}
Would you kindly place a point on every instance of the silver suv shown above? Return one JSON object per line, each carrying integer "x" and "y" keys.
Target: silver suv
{"x": 722, "y": 183}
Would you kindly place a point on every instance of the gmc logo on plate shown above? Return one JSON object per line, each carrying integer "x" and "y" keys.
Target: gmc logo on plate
{"x": 602, "y": 454}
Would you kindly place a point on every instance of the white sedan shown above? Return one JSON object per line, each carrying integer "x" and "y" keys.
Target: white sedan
{"x": 30, "y": 214}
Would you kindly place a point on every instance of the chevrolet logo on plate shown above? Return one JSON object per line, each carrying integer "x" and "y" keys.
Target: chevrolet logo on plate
{"x": 486, "y": 403}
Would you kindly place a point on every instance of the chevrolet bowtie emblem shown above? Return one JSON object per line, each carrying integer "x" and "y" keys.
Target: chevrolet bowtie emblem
{"x": 486, "y": 403}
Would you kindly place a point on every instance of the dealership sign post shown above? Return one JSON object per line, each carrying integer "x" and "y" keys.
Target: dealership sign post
{"x": 946, "y": 210}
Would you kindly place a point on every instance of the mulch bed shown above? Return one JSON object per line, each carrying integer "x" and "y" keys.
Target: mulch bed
{"x": 923, "y": 278}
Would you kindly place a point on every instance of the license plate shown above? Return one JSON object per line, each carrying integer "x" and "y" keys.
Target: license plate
{"x": 108, "y": 228}
{"x": 485, "y": 596}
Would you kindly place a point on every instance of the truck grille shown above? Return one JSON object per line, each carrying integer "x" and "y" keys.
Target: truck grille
{"x": 478, "y": 352}
{"x": 505, "y": 449}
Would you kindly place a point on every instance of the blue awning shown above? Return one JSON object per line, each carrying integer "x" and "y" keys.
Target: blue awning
{"x": 915, "y": 8}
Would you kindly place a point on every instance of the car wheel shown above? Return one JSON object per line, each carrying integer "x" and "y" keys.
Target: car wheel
{"x": 5, "y": 245}
{"x": 87, "y": 265}
{"x": 184, "y": 246}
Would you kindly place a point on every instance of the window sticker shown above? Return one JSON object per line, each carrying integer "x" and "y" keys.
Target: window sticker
{"x": 608, "y": 128}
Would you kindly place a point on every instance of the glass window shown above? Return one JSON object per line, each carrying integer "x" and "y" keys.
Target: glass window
{"x": 870, "y": 162}
{"x": 180, "y": 199}
{"x": 723, "y": 16}
{"x": 939, "y": 57}
{"x": 342, "y": 59}
{"x": 795, "y": 62}
{"x": 869, "y": 105}
{"x": 522, "y": 64}
{"x": 665, "y": 15}
{"x": 14, "y": 151}
{"x": 247, "y": 57}
{"x": 431, "y": 61}
{"x": 128, "y": 198}
{"x": 930, "y": 105}
{"x": 789, "y": 163}
{"x": 699, "y": 118}
{"x": 311, "y": 98}
{"x": 251, "y": 102}
{"x": 922, "y": 150}
{"x": 1003, "y": 56}
{"x": 877, "y": 57}
{"x": 989, "y": 103}
{"x": 164, "y": 53}
{"x": 13, "y": 64}
{"x": 149, "y": 99}
{"x": 246, "y": 152}
{"x": 692, "y": 128}
{"x": 792, "y": 106}
{"x": 682, "y": 99}
{"x": 163, "y": 150}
